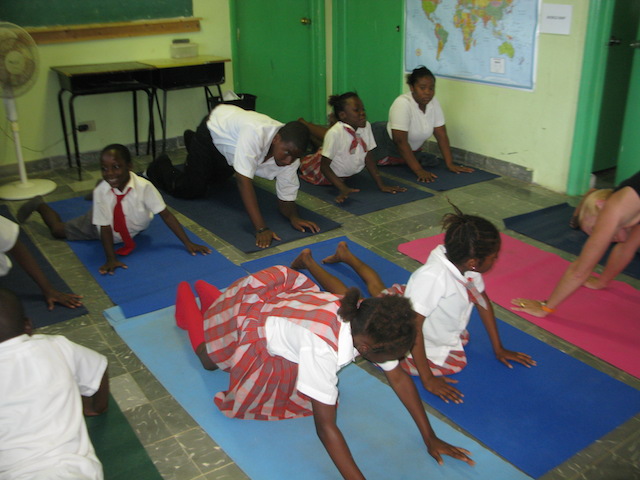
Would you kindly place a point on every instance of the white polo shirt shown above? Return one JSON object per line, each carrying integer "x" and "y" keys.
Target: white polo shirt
{"x": 139, "y": 206}
{"x": 42, "y": 430}
{"x": 405, "y": 115}
{"x": 336, "y": 147}
{"x": 9, "y": 232}
{"x": 244, "y": 138}
{"x": 437, "y": 291}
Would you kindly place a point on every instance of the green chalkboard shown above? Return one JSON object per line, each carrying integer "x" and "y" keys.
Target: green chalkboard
{"x": 49, "y": 13}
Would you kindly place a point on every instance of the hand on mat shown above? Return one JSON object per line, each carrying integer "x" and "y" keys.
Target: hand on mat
{"x": 345, "y": 194}
{"x": 302, "y": 225}
{"x": 426, "y": 177}
{"x": 194, "y": 248}
{"x": 440, "y": 386}
{"x": 264, "y": 239}
{"x": 393, "y": 189}
{"x": 526, "y": 305}
{"x": 70, "y": 300}
{"x": 460, "y": 169}
{"x": 505, "y": 355}
{"x": 437, "y": 448}
{"x": 110, "y": 267}
{"x": 595, "y": 283}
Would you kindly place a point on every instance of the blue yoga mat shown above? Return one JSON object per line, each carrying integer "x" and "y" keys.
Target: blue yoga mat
{"x": 447, "y": 180}
{"x": 223, "y": 214}
{"x": 551, "y": 226}
{"x": 20, "y": 283}
{"x": 382, "y": 436}
{"x": 156, "y": 266}
{"x": 389, "y": 271}
{"x": 368, "y": 199}
{"x": 535, "y": 418}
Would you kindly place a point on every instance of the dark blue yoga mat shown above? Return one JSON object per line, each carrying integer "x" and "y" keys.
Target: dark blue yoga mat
{"x": 223, "y": 213}
{"x": 388, "y": 271}
{"x": 28, "y": 291}
{"x": 447, "y": 180}
{"x": 535, "y": 418}
{"x": 156, "y": 266}
{"x": 551, "y": 226}
{"x": 368, "y": 199}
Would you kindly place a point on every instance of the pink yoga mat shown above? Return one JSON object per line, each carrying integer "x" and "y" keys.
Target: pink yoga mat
{"x": 605, "y": 322}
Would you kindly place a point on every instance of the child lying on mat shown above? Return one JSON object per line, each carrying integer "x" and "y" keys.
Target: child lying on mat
{"x": 283, "y": 342}
{"x": 43, "y": 378}
{"x": 346, "y": 149}
{"x": 606, "y": 216}
{"x": 443, "y": 293}
{"x": 123, "y": 205}
{"x": 11, "y": 247}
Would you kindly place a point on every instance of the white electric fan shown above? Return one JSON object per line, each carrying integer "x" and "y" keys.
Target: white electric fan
{"x": 18, "y": 68}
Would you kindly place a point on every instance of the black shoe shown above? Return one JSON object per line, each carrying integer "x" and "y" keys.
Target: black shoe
{"x": 187, "y": 137}
{"x": 155, "y": 172}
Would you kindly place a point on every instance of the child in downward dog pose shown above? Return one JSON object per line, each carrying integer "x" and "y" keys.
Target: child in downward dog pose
{"x": 345, "y": 150}
{"x": 443, "y": 292}
{"x": 283, "y": 342}
{"x": 123, "y": 205}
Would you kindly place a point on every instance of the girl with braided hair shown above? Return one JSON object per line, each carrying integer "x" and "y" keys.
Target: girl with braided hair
{"x": 283, "y": 342}
{"x": 443, "y": 292}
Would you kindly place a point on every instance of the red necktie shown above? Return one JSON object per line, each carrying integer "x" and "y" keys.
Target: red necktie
{"x": 120, "y": 225}
{"x": 356, "y": 139}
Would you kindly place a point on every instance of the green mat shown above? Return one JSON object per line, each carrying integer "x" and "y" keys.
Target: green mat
{"x": 122, "y": 455}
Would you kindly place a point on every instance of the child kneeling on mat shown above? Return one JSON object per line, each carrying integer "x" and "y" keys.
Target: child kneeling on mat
{"x": 283, "y": 342}
{"x": 123, "y": 205}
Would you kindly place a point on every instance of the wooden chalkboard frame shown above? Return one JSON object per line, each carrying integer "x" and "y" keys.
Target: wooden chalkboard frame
{"x": 103, "y": 31}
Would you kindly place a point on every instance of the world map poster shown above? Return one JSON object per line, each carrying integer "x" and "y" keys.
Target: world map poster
{"x": 488, "y": 41}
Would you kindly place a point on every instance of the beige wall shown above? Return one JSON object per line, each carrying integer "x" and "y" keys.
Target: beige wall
{"x": 40, "y": 129}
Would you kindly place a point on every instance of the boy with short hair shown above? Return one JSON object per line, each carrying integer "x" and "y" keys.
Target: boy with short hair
{"x": 43, "y": 433}
{"x": 123, "y": 205}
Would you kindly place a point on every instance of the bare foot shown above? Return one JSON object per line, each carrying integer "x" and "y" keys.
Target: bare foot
{"x": 301, "y": 262}
{"x": 342, "y": 251}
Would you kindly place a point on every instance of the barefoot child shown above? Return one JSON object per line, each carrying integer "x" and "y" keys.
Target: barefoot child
{"x": 345, "y": 150}
{"x": 443, "y": 293}
{"x": 47, "y": 382}
{"x": 283, "y": 342}
{"x": 123, "y": 205}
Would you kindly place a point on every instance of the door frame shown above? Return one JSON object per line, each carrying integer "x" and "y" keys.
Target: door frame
{"x": 592, "y": 81}
{"x": 317, "y": 56}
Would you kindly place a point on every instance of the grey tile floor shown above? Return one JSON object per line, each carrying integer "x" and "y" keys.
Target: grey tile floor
{"x": 179, "y": 447}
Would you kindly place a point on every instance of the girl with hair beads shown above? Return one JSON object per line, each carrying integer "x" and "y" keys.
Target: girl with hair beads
{"x": 345, "y": 150}
{"x": 443, "y": 292}
{"x": 283, "y": 342}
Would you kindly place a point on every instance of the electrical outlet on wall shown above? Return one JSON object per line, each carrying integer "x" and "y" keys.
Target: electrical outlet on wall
{"x": 88, "y": 126}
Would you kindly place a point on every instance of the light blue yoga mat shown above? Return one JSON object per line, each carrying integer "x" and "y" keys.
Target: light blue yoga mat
{"x": 381, "y": 434}
{"x": 535, "y": 418}
{"x": 155, "y": 267}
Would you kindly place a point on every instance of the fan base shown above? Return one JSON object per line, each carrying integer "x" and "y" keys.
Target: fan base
{"x": 24, "y": 190}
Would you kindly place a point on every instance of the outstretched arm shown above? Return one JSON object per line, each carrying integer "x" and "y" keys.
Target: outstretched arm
{"x": 408, "y": 394}
{"x": 176, "y": 227}
{"x": 290, "y": 211}
{"x": 502, "y": 354}
{"x": 20, "y": 253}
{"x": 620, "y": 256}
{"x": 324, "y": 417}
{"x": 437, "y": 385}
{"x": 445, "y": 148}
{"x": 336, "y": 181}
{"x": 264, "y": 235}
{"x": 106, "y": 237}
{"x": 401, "y": 139}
